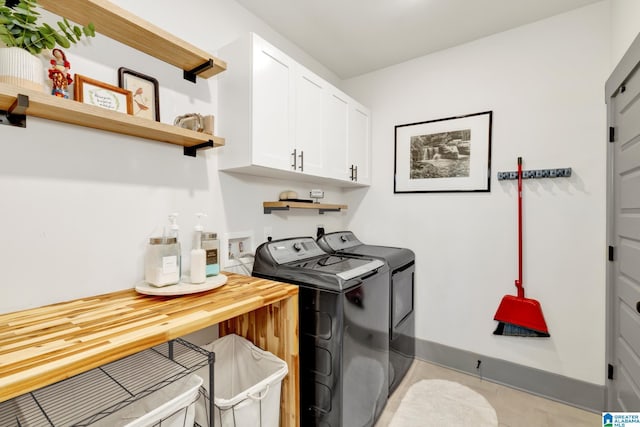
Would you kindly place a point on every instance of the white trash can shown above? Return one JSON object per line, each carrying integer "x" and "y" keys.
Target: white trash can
{"x": 247, "y": 383}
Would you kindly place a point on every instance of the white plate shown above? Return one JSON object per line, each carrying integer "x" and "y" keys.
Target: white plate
{"x": 183, "y": 287}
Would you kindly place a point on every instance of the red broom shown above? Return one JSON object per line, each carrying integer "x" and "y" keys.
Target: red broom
{"x": 520, "y": 316}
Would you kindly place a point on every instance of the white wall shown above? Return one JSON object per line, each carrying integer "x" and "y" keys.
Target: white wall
{"x": 625, "y": 26}
{"x": 544, "y": 83}
{"x": 78, "y": 205}
{"x": 211, "y": 24}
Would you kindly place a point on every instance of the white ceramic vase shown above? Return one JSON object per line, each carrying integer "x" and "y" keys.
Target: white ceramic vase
{"x": 21, "y": 68}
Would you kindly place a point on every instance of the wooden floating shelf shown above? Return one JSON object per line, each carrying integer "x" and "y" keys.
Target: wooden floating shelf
{"x": 285, "y": 206}
{"x": 68, "y": 111}
{"x": 129, "y": 29}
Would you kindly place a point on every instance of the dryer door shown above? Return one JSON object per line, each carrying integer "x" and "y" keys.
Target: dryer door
{"x": 402, "y": 292}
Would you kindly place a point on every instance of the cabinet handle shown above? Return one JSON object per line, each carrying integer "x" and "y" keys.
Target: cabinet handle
{"x": 301, "y": 155}
{"x": 356, "y": 177}
{"x": 295, "y": 158}
{"x": 352, "y": 177}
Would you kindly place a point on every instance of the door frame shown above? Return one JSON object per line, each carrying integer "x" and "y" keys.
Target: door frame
{"x": 629, "y": 63}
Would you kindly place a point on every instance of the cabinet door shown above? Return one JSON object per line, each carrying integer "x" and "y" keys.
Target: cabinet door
{"x": 272, "y": 103}
{"x": 359, "y": 144}
{"x": 308, "y": 125}
{"x": 336, "y": 133}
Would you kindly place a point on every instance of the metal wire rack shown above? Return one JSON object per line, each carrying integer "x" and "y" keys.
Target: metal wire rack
{"x": 84, "y": 399}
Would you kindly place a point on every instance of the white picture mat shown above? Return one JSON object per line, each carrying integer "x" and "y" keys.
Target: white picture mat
{"x": 105, "y": 98}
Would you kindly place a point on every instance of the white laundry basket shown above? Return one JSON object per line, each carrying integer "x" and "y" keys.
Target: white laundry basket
{"x": 247, "y": 383}
{"x": 171, "y": 406}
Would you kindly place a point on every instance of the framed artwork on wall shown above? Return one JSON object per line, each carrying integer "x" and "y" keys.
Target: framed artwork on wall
{"x": 144, "y": 90}
{"x": 444, "y": 155}
{"x": 104, "y": 95}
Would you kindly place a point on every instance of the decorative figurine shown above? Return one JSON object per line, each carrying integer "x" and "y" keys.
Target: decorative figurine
{"x": 59, "y": 74}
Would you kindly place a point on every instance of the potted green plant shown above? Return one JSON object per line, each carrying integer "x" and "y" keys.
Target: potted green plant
{"x": 25, "y": 37}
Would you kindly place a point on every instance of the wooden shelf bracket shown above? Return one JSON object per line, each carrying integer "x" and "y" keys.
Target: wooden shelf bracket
{"x": 16, "y": 115}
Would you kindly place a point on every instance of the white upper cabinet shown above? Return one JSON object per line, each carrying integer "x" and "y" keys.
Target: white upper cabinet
{"x": 336, "y": 133}
{"x": 272, "y": 102}
{"x": 282, "y": 120}
{"x": 309, "y": 117}
{"x": 359, "y": 157}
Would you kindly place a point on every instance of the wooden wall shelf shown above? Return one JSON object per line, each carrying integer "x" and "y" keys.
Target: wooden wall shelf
{"x": 68, "y": 111}
{"x": 125, "y": 27}
{"x": 285, "y": 206}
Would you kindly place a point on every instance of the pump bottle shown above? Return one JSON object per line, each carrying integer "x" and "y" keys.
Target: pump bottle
{"x": 198, "y": 255}
{"x": 174, "y": 231}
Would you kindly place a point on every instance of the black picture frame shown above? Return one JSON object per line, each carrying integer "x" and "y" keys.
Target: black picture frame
{"x": 145, "y": 92}
{"x": 446, "y": 155}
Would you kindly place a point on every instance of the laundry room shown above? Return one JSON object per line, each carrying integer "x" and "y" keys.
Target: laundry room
{"x": 82, "y": 198}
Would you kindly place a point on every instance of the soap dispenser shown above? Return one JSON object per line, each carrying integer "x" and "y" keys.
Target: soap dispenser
{"x": 174, "y": 231}
{"x": 198, "y": 255}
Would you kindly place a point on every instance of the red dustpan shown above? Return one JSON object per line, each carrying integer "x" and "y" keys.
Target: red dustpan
{"x": 520, "y": 316}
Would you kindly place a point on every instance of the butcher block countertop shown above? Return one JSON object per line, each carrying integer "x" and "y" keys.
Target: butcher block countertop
{"x": 47, "y": 344}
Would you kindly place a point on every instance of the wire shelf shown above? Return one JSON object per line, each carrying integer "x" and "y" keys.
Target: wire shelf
{"x": 88, "y": 397}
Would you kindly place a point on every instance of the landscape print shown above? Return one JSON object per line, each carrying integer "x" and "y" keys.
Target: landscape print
{"x": 440, "y": 155}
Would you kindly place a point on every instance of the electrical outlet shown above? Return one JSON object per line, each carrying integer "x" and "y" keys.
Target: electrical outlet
{"x": 236, "y": 245}
{"x": 268, "y": 233}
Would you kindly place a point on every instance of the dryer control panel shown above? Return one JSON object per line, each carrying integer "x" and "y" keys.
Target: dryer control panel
{"x": 338, "y": 241}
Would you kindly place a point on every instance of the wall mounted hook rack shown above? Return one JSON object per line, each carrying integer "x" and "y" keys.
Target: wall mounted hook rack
{"x": 536, "y": 173}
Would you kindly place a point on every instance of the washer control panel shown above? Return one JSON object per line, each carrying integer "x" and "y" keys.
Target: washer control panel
{"x": 288, "y": 250}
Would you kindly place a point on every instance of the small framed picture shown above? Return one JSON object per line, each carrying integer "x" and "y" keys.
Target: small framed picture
{"x": 100, "y": 94}
{"x": 144, "y": 90}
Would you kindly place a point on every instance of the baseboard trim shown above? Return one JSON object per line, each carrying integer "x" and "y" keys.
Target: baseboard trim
{"x": 581, "y": 394}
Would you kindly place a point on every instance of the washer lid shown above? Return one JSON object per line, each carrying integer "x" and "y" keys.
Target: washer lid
{"x": 301, "y": 261}
{"x": 342, "y": 266}
{"x": 395, "y": 257}
{"x": 345, "y": 242}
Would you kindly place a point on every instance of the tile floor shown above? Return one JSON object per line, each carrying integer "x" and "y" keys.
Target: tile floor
{"x": 513, "y": 407}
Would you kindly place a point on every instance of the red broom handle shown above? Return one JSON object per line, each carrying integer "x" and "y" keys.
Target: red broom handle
{"x": 519, "y": 280}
